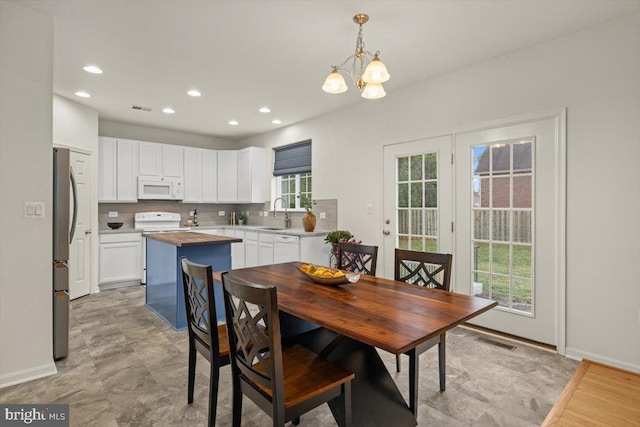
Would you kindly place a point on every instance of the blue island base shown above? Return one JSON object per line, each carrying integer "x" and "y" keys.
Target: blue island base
{"x": 165, "y": 293}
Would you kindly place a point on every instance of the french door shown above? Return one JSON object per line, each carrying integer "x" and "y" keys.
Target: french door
{"x": 417, "y": 198}
{"x": 507, "y": 205}
{"x": 499, "y": 209}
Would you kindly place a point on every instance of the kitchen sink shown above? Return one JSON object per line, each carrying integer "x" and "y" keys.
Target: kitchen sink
{"x": 271, "y": 228}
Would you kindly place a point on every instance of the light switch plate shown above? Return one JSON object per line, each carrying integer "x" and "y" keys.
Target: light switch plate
{"x": 34, "y": 210}
{"x": 221, "y": 213}
{"x": 113, "y": 214}
{"x": 369, "y": 209}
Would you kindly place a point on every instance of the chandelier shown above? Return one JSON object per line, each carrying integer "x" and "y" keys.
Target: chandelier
{"x": 365, "y": 69}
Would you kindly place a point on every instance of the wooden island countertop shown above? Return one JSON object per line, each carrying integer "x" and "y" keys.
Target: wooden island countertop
{"x": 187, "y": 238}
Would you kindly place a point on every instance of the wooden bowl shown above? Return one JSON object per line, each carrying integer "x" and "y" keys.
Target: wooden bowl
{"x": 332, "y": 281}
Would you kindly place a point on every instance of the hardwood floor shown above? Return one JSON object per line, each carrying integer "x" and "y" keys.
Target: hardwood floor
{"x": 598, "y": 395}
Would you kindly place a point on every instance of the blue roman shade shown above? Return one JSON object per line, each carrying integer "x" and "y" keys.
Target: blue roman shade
{"x": 292, "y": 159}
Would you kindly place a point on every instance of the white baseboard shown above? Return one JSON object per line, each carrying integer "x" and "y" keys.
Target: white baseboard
{"x": 577, "y": 354}
{"x": 30, "y": 374}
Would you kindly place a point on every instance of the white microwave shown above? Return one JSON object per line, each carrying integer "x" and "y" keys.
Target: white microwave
{"x": 155, "y": 188}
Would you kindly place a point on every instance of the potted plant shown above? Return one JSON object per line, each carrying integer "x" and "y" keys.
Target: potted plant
{"x": 241, "y": 218}
{"x": 308, "y": 219}
{"x": 339, "y": 236}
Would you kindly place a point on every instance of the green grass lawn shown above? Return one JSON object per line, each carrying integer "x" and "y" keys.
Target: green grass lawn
{"x": 500, "y": 268}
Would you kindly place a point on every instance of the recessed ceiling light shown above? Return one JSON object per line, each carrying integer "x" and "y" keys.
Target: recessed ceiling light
{"x": 234, "y": 122}
{"x": 83, "y": 94}
{"x": 92, "y": 69}
{"x": 194, "y": 92}
{"x": 265, "y": 110}
{"x": 276, "y": 122}
{"x": 168, "y": 110}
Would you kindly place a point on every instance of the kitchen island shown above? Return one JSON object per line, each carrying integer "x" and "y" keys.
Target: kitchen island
{"x": 165, "y": 293}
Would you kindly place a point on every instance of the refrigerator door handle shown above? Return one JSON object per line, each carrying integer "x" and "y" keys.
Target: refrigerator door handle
{"x": 75, "y": 204}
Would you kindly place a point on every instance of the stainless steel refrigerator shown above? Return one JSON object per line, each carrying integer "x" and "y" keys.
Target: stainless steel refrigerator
{"x": 65, "y": 208}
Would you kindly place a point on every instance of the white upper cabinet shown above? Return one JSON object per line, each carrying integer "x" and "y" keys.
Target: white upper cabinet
{"x": 117, "y": 170}
{"x": 251, "y": 175}
{"x": 107, "y": 169}
{"x": 200, "y": 175}
{"x": 150, "y": 163}
{"x": 192, "y": 175}
{"x": 161, "y": 160}
{"x": 209, "y": 176}
{"x": 172, "y": 163}
{"x": 228, "y": 176}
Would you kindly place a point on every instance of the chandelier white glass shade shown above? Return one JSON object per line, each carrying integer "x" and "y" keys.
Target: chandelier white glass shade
{"x": 365, "y": 69}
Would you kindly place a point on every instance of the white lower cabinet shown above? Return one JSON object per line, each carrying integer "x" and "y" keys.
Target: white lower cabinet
{"x": 120, "y": 257}
{"x": 260, "y": 248}
{"x": 251, "y": 251}
{"x": 265, "y": 243}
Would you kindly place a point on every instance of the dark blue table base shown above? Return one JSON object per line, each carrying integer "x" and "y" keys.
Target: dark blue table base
{"x": 375, "y": 398}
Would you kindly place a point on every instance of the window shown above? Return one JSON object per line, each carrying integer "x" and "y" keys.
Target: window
{"x": 292, "y": 171}
{"x": 290, "y": 186}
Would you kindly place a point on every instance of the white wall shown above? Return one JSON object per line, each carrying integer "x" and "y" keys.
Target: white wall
{"x": 76, "y": 126}
{"x": 595, "y": 74}
{"x": 26, "y": 87}
{"x": 144, "y": 133}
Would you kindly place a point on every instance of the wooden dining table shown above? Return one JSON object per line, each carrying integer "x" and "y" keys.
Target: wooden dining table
{"x": 346, "y": 323}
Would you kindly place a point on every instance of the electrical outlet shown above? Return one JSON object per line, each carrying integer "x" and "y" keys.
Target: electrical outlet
{"x": 323, "y": 215}
{"x": 369, "y": 209}
{"x": 113, "y": 214}
{"x": 190, "y": 213}
{"x": 221, "y": 213}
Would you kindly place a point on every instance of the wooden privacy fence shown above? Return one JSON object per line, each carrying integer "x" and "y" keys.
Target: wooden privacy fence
{"x": 424, "y": 222}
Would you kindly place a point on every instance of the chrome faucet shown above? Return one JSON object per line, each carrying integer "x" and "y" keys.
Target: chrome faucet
{"x": 287, "y": 220}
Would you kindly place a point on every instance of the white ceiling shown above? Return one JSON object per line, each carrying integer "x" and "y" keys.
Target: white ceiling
{"x": 243, "y": 55}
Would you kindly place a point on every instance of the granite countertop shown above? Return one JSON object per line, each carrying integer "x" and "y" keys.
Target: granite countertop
{"x": 258, "y": 228}
{"x": 264, "y": 229}
{"x": 189, "y": 238}
{"x": 119, "y": 230}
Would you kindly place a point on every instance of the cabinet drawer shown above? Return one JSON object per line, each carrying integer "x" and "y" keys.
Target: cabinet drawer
{"x": 266, "y": 238}
{"x": 251, "y": 235}
{"x": 120, "y": 237}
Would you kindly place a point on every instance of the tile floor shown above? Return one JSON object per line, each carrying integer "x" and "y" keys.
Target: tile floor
{"x": 127, "y": 367}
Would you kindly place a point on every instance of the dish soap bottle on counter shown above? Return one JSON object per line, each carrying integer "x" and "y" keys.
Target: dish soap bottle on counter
{"x": 195, "y": 217}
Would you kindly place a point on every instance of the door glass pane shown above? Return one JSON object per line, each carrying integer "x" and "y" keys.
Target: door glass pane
{"x": 500, "y": 259}
{"x": 522, "y": 191}
{"x": 431, "y": 166}
{"x": 500, "y": 192}
{"x": 417, "y": 183}
{"x": 500, "y": 289}
{"x": 503, "y": 205}
{"x": 431, "y": 194}
{"x": 403, "y": 169}
{"x": 416, "y": 168}
{"x": 403, "y": 195}
{"x": 416, "y": 195}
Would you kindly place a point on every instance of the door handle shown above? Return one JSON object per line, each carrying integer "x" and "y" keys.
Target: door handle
{"x": 87, "y": 231}
{"x": 386, "y": 232}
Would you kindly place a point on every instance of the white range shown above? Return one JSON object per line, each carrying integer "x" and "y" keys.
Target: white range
{"x": 156, "y": 222}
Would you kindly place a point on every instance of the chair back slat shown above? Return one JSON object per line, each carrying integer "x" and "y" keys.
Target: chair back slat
{"x": 199, "y": 307}
{"x": 358, "y": 258}
{"x": 254, "y": 333}
{"x": 427, "y": 269}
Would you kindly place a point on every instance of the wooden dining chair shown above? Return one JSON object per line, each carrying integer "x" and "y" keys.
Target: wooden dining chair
{"x": 434, "y": 271}
{"x": 205, "y": 337}
{"x": 285, "y": 383}
{"x": 359, "y": 258}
